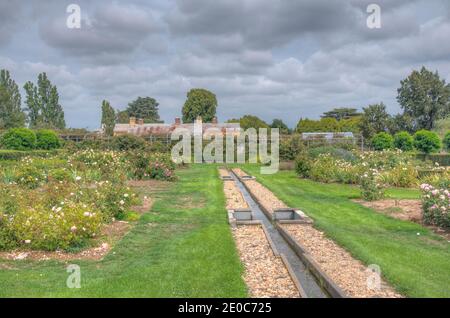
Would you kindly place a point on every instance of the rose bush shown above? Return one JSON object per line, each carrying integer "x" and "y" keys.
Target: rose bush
{"x": 435, "y": 205}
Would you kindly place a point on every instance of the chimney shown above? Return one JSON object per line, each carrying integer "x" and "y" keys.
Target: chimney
{"x": 132, "y": 121}
{"x": 177, "y": 121}
{"x": 214, "y": 120}
{"x": 140, "y": 121}
{"x": 198, "y": 120}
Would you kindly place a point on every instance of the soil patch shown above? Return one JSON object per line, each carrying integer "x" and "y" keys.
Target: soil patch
{"x": 406, "y": 210}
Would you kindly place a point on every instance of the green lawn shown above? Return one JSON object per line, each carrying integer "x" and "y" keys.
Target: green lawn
{"x": 182, "y": 248}
{"x": 417, "y": 265}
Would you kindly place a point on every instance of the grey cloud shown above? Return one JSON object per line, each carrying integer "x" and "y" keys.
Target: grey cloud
{"x": 111, "y": 34}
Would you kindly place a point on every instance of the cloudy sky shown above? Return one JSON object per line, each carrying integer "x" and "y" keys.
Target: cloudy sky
{"x": 272, "y": 58}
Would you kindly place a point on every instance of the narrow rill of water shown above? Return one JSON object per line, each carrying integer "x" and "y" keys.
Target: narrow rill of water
{"x": 308, "y": 282}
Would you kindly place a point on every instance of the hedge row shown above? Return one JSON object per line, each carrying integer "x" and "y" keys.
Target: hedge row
{"x": 17, "y": 154}
{"x": 441, "y": 159}
{"x": 25, "y": 139}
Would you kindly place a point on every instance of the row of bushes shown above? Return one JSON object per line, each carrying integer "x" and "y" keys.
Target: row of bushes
{"x": 25, "y": 139}
{"x": 424, "y": 141}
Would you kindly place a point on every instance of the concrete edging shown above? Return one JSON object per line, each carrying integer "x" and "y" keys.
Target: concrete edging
{"x": 323, "y": 279}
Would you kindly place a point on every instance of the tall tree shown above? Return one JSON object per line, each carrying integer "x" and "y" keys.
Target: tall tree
{"x": 425, "y": 97}
{"x": 341, "y": 113}
{"x": 11, "y": 113}
{"x": 108, "y": 118}
{"x": 250, "y": 121}
{"x": 200, "y": 102}
{"x": 44, "y": 110}
{"x": 122, "y": 117}
{"x": 278, "y": 123}
{"x": 375, "y": 119}
{"x": 145, "y": 108}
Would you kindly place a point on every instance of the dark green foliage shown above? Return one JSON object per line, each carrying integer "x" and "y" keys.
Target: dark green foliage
{"x": 108, "y": 118}
{"x": 278, "y": 123}
{"x": 446, "y": 141}
{"x": 11, "y": 113}
{"x": 19, "y": 139}
{"x": 250, "y": 121}
{"x": 341, "y": 113}
{"x": 425, "y": 97}
{"x": 403, "y": 141}
{"x": 427, "y": 141}
{"x": 375, "y": 119}
{"x": 291, "y": 147}
{"x": 303, "y": 165}
{"x": 145, "y": 108}
{"x": 128, "y": 142}
{"x": 382, "y": 141}
{"x": 44, "y": 110}
{"x": 47, "y": 139}
{"x": 200, "y": 102}
{"x": 322, "y": 125}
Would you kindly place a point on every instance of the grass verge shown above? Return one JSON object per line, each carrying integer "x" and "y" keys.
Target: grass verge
{"x": 175, "y": 250}
{"x": 417, "y": 265}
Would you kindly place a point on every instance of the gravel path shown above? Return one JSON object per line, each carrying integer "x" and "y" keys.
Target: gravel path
{"x": 348, "y": 273}
{"x": 265, "y": 274}
{"x": 234, "y": 197}
{"x": 265, "y": 196}
{"x": 224, "y": 173}
{"x": 239, "y": 172}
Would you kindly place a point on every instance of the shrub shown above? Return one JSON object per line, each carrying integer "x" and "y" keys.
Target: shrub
{"x": 446, "y": 141}
{"x": 435, "y": 206}
{"x": 60, "y": 174}
{"x": 371, "y": 187}
{"x": 113, "y": 199}
{"x": 151, "y": 166}
{"x": 291, "y": 147}
{"x": 128, "y": 142}
{"x": 29, "y": 176}
{"x": 47, "y": 139}
{"x": 382, "y": 141}
{"x": 303, "y": 165}
{"x": 61, "y": 227}
{"x": 16, "y": 154}
{"x": 427, "y": 141}
{"x": 404, "y": 175}
{"x": 403, "y": 141}
{"x": 338, "y": 153}
{"x": 19, "y": 139}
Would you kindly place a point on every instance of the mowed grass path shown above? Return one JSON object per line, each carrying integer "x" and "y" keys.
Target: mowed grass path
{"x": 182, "y": 248}
{"x": 417, "y": 265}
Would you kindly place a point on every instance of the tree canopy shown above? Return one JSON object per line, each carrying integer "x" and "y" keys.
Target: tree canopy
{"x": 425, "y": 97}
{"x": 44, "y": 110}
{"x": 278, "y": 123}
{"x": 108, "y": 118}
{"x": 341, "y": 113}
{"x": 250, "y": 121}
{"x": 375, "y": 119}
{"x": 199, "y": 102}
{"x": 145, "y": 108}
{"x": 11, "y": 113}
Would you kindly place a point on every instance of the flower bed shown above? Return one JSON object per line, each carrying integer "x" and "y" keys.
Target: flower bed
{"x": 436, "y": 206}
{"x": 62, "y": 202}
